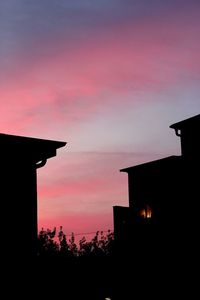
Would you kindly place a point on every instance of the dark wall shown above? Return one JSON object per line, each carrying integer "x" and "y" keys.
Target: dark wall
{"x": 19, "y": 207}
{"x": 190, "y": 142}
{"x": 171, "y": 190}
{"x": 162, "y": 187}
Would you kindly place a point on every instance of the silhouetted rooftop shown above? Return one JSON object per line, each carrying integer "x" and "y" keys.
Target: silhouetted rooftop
{"x": 153, "y": 164}
{"x": 38, "y": 149}
{"x": 190, "y": 122}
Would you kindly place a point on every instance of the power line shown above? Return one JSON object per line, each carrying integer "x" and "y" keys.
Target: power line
{"x": 87, "y": 233}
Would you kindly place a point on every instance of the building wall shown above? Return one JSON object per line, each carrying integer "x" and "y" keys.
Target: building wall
{"x": 19, "y": 207}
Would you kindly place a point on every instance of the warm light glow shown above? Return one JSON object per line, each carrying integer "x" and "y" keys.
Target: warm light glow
{"x": 146, "y": 212}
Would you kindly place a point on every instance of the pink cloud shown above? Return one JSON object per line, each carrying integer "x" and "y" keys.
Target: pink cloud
{"x": 48, "y": 95}
{"x": 81, "y": 191}
{"x": 70, "y": 86}
{"x": 80, "y": 224}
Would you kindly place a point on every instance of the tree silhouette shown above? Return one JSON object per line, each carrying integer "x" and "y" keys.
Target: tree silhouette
{"x": 50, "y": 243}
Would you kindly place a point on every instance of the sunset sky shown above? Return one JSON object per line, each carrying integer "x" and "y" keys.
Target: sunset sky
{"x": 108, "y": 77}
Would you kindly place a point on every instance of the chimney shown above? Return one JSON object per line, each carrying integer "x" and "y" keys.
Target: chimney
{"x": 189, "y": 132}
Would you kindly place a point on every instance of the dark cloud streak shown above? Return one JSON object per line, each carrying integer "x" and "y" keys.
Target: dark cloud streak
{"x": 27, "y": 25}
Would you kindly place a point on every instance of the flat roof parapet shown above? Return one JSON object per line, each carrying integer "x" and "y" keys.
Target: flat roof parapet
{"x": 192, "y": 122}
{"x": 20, "y": 146}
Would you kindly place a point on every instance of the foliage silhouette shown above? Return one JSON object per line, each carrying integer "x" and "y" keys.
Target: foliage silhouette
{"x": 51, "y": 243}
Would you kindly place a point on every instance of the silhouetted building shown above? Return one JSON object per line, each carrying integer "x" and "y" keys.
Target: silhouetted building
{"x": 20, "y": 158}
{"x": 163, "y": 195}
{"x": 189, "y": 131}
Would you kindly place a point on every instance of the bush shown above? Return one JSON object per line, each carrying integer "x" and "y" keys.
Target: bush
{"x": 57, "y": 245}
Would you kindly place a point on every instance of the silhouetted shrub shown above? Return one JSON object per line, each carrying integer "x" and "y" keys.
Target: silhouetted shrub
{"x": 50, "y": 244}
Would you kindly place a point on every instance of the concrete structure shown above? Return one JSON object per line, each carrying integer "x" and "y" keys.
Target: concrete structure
{"x": 20, "y": 157}
{"x": 163, "y": 194}
{"x": 189, "y": 131}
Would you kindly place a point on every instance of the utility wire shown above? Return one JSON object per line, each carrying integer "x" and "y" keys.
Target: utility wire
{"x": 87, "y": 233}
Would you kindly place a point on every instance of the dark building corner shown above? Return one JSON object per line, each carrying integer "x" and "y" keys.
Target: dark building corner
{"x": 163, "y": 194}
{"x": 20, "y": 159}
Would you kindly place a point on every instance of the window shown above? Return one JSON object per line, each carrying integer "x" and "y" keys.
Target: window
{"x": 146, "y": 212}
